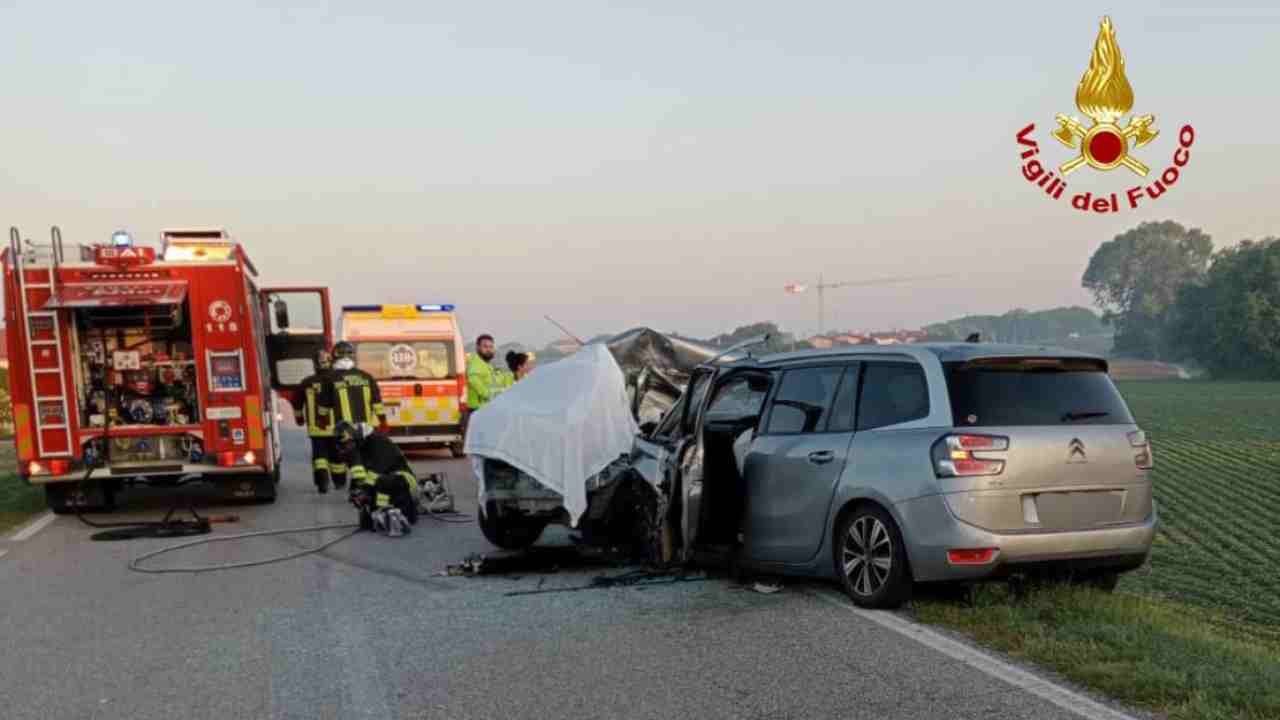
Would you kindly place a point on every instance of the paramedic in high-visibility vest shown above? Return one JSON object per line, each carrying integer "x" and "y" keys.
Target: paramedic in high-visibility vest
{"x": 315, "y": 413}
{"x": 355, "y": 398}
{"x": 482, "y": 378}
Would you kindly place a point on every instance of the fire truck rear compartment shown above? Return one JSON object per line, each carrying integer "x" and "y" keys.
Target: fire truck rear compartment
{"x": 136, "y": 370}
{"x": 136, "y": 367}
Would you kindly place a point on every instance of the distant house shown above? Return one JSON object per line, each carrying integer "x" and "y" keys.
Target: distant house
{"x": 821, "y": 342}
{"x": 848, "y": 339}
{"x": 896, "y": 337}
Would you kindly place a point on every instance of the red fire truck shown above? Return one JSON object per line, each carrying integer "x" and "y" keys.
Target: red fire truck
{"x": 134, "y": 364}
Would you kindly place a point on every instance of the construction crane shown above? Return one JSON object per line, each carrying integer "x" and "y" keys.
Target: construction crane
{"x": 822, "y": 287}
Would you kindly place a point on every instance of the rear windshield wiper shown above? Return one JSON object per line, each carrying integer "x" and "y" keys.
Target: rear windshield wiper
{"x": 1083, "y": 415}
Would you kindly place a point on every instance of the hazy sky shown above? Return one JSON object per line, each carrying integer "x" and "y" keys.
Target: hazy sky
{"x": 671, "y": 164}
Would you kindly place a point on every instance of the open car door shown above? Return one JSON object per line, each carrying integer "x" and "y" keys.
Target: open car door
{"x": 299, "y": 323}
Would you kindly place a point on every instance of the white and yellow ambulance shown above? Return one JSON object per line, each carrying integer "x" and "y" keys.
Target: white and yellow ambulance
{"x": 416, "y": 354}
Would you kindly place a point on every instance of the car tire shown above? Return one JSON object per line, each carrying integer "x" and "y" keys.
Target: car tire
{"x": 265, "y": 486}
{"x": 58, "y": 498}
{"x": 871, "y": 559}
{"x": 507, "y": 533}
{"x": 55, "y": 497}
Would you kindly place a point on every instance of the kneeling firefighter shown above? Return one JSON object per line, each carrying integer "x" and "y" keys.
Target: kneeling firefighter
{"x": 383, "y": 486}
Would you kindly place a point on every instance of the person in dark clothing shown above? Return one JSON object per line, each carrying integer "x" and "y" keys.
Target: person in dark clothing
{"x": 518, "y": 363}
{"x": 314, "y": 411}
{"x": 383, "y": 486}
{"x": 355, "y": 400}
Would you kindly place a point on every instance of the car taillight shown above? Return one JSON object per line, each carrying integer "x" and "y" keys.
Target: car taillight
{"x": 1143, "y": 459}
{"x": 954, "y": 455}
{"x": 971, "y": 556}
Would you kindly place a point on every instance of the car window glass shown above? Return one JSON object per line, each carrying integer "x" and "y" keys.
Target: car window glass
{"x": 1021, "y": 392}
{"x": 736, "y": 400}
{"x": 842, "y": 412}
{"x": 699, "y": 391}
{"x": 803, "y": 399}
{"x": 671, "y": 420}
{"x": 892, "y": 393}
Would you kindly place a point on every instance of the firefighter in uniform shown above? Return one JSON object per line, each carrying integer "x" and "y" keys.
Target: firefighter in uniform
{"x": 383, "y": 486}
{"x": 315, "y": 413}
{"x": 355, "y": 400}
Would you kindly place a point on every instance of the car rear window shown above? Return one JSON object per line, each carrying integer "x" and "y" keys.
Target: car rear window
{"x": 1033, "y": 391}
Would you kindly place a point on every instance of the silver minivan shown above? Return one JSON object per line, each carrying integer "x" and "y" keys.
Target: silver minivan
{"x": 882, "y": 466}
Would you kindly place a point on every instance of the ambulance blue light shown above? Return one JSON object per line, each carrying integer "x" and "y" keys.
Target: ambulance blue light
{"x": 121, "y": 239}
{"x": 435, "y": 308}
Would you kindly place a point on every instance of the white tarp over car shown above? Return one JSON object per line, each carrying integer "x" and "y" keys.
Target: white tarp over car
{"x": 561, "y": 424}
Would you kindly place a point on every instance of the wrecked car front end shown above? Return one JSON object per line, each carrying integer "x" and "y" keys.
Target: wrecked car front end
{"x": 639, "y": 490}
{"x": 563, "y": 446}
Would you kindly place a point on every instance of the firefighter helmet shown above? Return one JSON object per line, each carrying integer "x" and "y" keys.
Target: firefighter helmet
{"x": 348, "y": 436}
{"x": 344, "y": 350}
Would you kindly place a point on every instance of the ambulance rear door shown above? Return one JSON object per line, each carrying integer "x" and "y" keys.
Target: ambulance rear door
{"x": 299, "y": 323}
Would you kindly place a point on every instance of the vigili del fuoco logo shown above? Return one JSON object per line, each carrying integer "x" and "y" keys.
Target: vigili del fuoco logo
{"x": 1104, "y": 96}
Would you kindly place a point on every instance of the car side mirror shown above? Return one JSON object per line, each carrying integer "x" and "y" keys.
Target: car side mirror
{"x": 282, "y": 314}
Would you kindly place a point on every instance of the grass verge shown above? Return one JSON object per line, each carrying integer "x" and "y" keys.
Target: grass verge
{"x": 18, "y": 501}
{"x": 1177, "y": 660}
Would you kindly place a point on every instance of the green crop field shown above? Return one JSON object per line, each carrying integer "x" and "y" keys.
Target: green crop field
{"x": 1217, "y": 488}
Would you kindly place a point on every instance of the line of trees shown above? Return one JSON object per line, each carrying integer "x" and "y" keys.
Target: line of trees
{"x": 1171, "y": 297}
{"x": 1054, "y": 325}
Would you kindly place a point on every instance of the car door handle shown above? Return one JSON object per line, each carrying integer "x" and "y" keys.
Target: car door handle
{"x": 820, "y": 457}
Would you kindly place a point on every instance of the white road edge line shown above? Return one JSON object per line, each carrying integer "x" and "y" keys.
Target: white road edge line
{"x": 36, "y": 526}
{"x": 1015, "y": 676}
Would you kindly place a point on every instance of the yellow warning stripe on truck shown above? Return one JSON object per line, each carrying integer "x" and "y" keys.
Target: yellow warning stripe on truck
{"x": 253, "y": 418}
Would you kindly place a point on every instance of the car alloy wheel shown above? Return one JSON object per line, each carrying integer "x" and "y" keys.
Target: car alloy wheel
{"x": 871, "y": 559}
{"x": 868, "y": 555}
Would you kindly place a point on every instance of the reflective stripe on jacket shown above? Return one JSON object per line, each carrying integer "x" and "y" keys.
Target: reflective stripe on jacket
{"x": 316, "y": 412}
{"x": 356, "y": 398}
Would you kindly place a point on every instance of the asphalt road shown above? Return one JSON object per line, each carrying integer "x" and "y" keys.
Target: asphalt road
{"x": 369, "y": 629}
